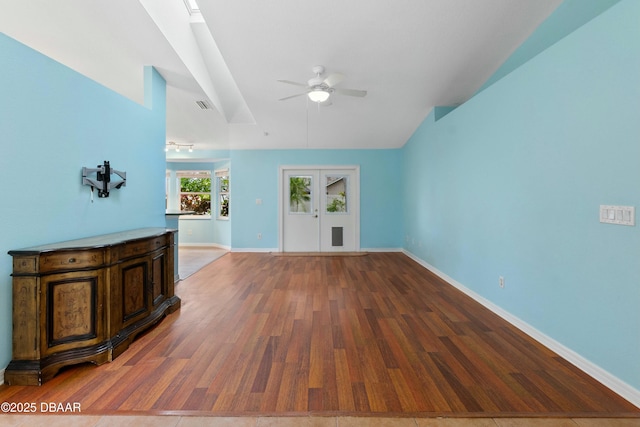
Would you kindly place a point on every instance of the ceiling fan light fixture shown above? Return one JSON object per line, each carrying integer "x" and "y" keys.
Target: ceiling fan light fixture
{"x": 318, "y": 95}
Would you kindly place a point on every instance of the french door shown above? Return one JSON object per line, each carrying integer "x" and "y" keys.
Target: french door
{"x": 320, "y": 209}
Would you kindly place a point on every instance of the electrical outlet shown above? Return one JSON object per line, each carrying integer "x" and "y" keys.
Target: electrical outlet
{"x": 189, "y": 232}
{"x": 259, "y": 236}
{"x": 501, "y": 281}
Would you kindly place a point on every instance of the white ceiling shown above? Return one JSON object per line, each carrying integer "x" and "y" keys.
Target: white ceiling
{"x": 409, "y": 55}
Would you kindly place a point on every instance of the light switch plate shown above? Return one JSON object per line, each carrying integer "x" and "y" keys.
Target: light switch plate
{"x": 621, "y": 215}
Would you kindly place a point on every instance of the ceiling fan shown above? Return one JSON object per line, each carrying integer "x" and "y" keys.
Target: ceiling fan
{"x": 318, "y": 89}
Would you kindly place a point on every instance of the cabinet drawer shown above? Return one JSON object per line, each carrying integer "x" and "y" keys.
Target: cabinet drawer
{"x": 66, "y": 260}
{"x": 136, "y": 248}
{"x": 25, "y": 264}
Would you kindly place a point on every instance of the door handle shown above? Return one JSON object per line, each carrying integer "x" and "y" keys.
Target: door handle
{"x": 315, "y": 216}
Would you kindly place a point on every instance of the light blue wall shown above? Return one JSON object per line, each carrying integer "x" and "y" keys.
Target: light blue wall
{"x": 569, "y": 16}
{"x": 255, "y": 176}
{"x": 509, "y": 184}
{"x": 53, "y": 121}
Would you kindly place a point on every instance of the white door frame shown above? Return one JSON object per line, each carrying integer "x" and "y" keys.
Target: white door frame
{"x": 355, "y": 198}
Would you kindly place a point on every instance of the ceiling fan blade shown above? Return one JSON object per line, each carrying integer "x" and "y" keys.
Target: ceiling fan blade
{"x": 292, "y": 96}
{"x": 333, "y": 79}
{"x": 289, "y": 82}
{"x": 351, "y": 92}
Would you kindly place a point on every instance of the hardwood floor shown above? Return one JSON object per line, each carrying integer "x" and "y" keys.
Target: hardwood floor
{"x": 374, "y": 335}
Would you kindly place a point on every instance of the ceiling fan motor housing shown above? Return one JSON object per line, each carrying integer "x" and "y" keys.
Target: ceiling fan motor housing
{"x": 315, "y": 82}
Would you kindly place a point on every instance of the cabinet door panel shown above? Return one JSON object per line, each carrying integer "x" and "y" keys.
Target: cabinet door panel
{"x": 158, "y": 282}
{"x": 134, "y": 290}
{"x": 72, "y": 314}
{"x": 73, "y": 310}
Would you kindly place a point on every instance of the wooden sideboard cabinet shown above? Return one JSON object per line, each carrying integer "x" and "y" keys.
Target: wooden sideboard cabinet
{"x": 85, "y": 300}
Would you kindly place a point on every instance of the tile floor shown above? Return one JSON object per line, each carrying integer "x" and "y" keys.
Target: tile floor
{"x": 192, "y": 258}
{"x": 184, "y": 421}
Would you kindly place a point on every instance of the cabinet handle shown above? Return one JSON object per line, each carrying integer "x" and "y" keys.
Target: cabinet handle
{"x": 72, "y": 260}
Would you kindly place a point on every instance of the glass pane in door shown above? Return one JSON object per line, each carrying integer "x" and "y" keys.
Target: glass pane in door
{"x": 300, "y": 200}
{"x": 336, "y": 193}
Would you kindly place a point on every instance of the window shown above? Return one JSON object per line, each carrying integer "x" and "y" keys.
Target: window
{"x": 336, "y": 191}
{"x": 300, "y": 200}
{"x": 192, "y": 6}
{"x": 222, "y": 185}
{"x": 195, "y": 191}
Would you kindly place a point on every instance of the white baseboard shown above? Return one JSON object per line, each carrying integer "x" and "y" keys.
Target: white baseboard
{"x": 606, "y": 378}
{"x": 254, "y": 250}
{"x": 278, "y": 250}
{"x": 204, "y": 245}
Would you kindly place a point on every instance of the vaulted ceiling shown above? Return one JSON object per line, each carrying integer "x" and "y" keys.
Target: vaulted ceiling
{"x": 409, "y": 55}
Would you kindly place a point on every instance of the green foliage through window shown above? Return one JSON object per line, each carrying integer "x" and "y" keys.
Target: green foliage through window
{"x": 338, "y": 204}
{"x": 299, "y": 193}
{"x": 223, "y": 195}
{"x": 195, "y": 192}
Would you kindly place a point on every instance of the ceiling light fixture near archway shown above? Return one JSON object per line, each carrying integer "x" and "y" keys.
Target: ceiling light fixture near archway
{"x": 175, "y": 146}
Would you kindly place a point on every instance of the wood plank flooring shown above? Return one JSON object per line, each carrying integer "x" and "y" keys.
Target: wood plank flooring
{"x": 365, "y": 335}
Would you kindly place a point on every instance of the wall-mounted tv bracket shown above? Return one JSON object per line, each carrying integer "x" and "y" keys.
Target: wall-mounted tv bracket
{"x": 103, "y": 180}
